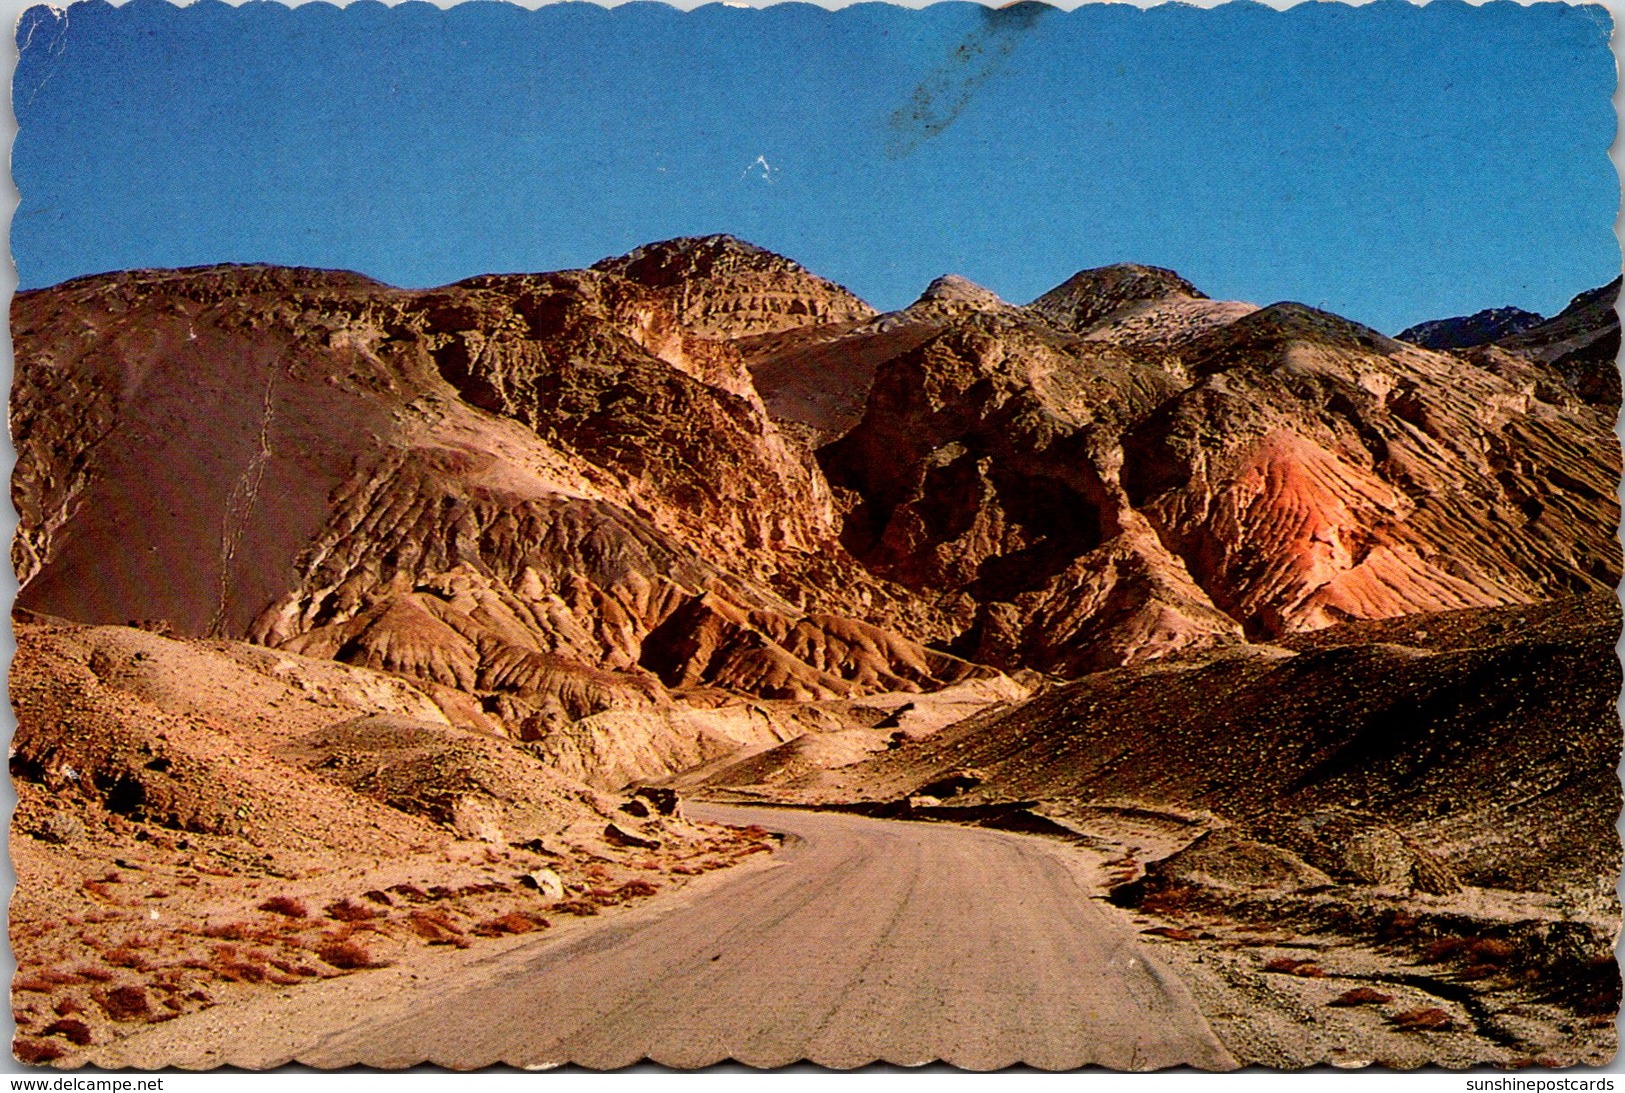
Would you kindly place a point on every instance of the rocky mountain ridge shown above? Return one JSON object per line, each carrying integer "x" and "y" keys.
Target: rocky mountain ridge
{"x": 619, "y": 513}
{"x": 1464, "y": 332}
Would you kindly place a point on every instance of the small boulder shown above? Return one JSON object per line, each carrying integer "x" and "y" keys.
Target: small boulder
{"x": 616, "y": 835}
{"x": 1223, "y": 861}
{"x": 664, "y": 800}
{"x": 545, "y": 881}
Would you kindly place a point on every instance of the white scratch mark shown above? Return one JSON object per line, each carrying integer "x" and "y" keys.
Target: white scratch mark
{"x": 769, "y": 172}
{"x": 58, "y": 47}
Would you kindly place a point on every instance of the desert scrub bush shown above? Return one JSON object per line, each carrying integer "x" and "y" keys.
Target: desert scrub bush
{"x": 1169, "y": 899}
{"x": 127, "y": 1003}
{"x": 127, "y": 957}
{"x": 347, "y": 910}
{"x": 514, "y": 922}
{"x": 285, "y": 905}
{"x": 44, "y": 982}
{"x": 488, "y": 889}
{"x": 1422, "y": 1020}
{"x": 437, "y": 928}
{"x": 74, "y": 1031}
{"x": 35, "y": 1052}
{"x": 575, "y": 907}
{"x": 1285, "y": 965}
{"x": 348, "y": 954}
{"x": 233, "y": 966}
{"x": 246, "y": 931}
{"x": 1397, "y": 924}
{"x": 1361, "y": 996}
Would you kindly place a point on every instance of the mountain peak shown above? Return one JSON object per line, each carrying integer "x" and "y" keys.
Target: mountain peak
{"x": 721, "y": 286}
{"x": 659, "y": 265}
{"x": 1463, "y": 332}
{"x": 1090, "y": 295}
{"x": 954, "y": 290}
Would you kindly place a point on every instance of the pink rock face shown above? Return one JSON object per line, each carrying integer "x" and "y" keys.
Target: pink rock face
{"x": 1317, "y": 473}
{"x": 1300, "y": 540}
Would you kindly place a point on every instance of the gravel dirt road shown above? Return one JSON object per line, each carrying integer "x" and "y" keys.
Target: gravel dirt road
{"x": 861, "y": 940}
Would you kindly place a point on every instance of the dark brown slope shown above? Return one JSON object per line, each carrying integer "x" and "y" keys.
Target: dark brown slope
{"x": 1150, "y": 309}
{"x": 1465, "y": 331}
{"x": 1581, "y": 344}
{"x": 1488, "y": 737}
{"x": 1092, "y": 295}
{"x": 522, "y": 492}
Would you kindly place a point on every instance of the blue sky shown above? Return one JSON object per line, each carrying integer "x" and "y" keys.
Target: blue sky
{"x": 1388, "y": 162}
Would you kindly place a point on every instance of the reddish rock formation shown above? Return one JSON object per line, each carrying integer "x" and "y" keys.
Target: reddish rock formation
{"x": 559, "y": 504}
{"x": 499, "y": 490}
{"x": 1318, "y": 472}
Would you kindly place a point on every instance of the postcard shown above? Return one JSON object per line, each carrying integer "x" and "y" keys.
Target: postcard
{"x": 985, "y": 536}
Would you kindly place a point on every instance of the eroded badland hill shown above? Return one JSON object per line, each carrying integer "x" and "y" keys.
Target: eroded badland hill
{"x": 355, "y": 618}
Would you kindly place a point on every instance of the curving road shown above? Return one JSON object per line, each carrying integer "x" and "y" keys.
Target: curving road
{"x": 861, "y": 940}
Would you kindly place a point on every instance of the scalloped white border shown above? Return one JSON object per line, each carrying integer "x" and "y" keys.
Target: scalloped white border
{"x": 733, "y": 1079}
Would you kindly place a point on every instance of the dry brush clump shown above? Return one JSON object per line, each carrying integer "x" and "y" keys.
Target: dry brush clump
{"x": 74, "y": 1031}
{"x": 1361, "y": 996}
{"x": 513, "y": 922}
{"x": 127, "y": 956}
{"x": 1430, "y": 1019}
{"x": 285, "y": 905}
{"x": 35, "y": 1052}
{"x": 437, "y": 927}
{"x": 348, "y": 954}
{"x": 580, "y": 907}
{"x": 1286, "y": 965}
{"x": 126, "y": 1003}
{"x": 347, "y": 910}
{"x": 237, "y": 930}
{"x": 233, "y": 966}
